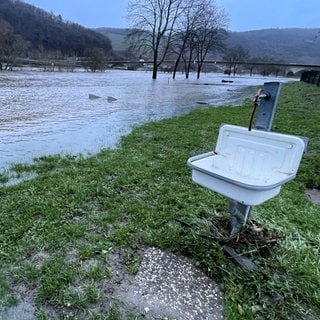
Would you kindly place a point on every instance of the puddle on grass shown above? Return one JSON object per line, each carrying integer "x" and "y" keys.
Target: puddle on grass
{"x": 11, "y": 178}
{"x": 313, "y": 195}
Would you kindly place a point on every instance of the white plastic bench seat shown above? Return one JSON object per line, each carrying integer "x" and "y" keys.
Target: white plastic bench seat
{"x": 248, "y": 166}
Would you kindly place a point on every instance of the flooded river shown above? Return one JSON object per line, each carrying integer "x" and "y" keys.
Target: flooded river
{"x": 50, "y": 112}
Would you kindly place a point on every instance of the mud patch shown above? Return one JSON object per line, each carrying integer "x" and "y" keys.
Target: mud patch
{"x": 166, "y": 286}
{"x": 25, "y": 308}
{"x": 22, "y": 311}
{"x": 169, "y": 286}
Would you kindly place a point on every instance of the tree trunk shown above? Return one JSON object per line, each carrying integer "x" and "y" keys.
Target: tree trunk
{"x": 154, "y": 71}
{"x": 155, "y": 64}
{"x": 176, "y": 66}
{"x": 199, "y": 70}
{"x": 187, "y": 69}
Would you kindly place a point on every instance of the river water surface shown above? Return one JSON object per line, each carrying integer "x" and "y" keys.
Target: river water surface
{"x": 47, "y": 113}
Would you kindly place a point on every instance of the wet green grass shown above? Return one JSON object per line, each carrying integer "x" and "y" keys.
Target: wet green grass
{"x": 58, "y": 230}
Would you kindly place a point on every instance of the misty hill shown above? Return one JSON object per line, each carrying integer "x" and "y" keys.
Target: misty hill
{"x": 46, "y": 32}
{"x": 117, "y": 37}
{"x": 286, "y": 45}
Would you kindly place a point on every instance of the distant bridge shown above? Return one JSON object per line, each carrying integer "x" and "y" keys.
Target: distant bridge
{"x": 71, "y": 62}
{"x": 294, "y": 67}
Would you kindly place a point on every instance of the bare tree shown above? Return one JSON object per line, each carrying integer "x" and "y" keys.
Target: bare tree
{"x": 200, "y": 31}
{"x": 189, "y": 54}
{"x": 182, "y": 44}
{"x": 153, "y": 22}
{"x": 209, "y": 33}
{"x": 235, "y": 55}
{"x": 97, "y": 60}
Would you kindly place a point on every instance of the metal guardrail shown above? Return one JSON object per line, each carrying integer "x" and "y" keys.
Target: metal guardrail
{"x": 312, "y": 76}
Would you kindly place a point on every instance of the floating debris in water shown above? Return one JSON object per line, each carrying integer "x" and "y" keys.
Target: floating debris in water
{"x": 93, "y": 96}
{"x": 202, "y": 102}
{"x": 111, "y": 99}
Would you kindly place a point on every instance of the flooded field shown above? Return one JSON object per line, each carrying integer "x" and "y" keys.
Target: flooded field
{"x": 50, "y": 112}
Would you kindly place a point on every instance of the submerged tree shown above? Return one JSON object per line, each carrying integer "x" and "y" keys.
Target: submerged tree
{"x": 209, "y": 34}
{"x": 233, "y": 56}
{"x": 97, "y": 60}
{"x": 187, "y": 29}
{"x": 152, "y": 23}
{"x": 182, "y": 44}
{"x": 202, "y": 32}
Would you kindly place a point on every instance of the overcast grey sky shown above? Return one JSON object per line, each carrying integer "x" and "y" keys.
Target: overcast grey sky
{"x": 243, "y": 14}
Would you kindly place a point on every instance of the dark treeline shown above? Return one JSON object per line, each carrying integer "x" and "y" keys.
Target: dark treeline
{"x": 43, "y": 32}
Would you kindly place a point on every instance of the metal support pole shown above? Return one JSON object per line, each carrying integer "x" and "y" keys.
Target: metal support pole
{"x": 267, "y": 103}
{"x": 239, "y": 216}
{"x": 267, "y": 106}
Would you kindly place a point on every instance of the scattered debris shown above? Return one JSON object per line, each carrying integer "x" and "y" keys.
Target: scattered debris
{"x": 202, "y": 102}
{"x": 253, "y": 242}
{"x": 111, "y": 99}
{"x": 93, "y": 96}
{"x": 242, "y": 261}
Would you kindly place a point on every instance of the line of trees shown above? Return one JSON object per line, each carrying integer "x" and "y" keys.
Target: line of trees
{"x": 11, "y": 46}
{"x": 30, "y": 32}
{"x": 14, "y": 48}
{"x": 47, "y": 32}
{"x": 185, "y": 30}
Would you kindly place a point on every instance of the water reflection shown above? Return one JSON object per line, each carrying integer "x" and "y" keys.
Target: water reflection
{"x": 47, "y": 113}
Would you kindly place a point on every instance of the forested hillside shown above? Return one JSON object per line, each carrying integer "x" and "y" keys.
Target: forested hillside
{"x": 44, "y": 32}
{"x": 286, "y": 45}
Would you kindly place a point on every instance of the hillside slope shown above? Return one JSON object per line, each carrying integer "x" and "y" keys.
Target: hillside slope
{"x": 49, "y": 33}
{"x": 117, "y": 37}
{"x": 287, "y": 45}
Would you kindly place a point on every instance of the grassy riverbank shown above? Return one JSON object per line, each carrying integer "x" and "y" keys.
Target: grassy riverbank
{"x": 60, "y": 229}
